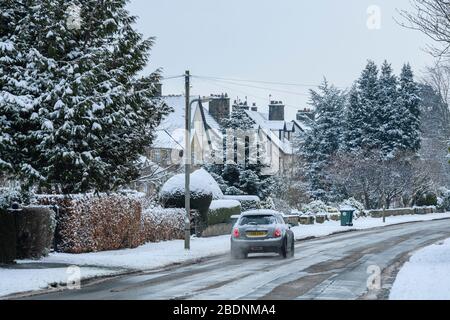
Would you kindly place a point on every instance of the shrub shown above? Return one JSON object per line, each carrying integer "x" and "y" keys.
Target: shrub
{"x": 247, "y": 202}
{"x": 359, "y": 207}
{"x": 429, "y": 199}
{"x": 444, "y": 200}
{"x": 221, "y": 211}
{"x": 87, "y": 223}
{"x": 315, "y": 207}
{"x": 35, "y": 228}
{"x": 202, "y": 192}
{"x": 159, "y": 224}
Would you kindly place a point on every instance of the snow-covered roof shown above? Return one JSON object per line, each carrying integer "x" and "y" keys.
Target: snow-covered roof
{"x": 303, "y": 125}
{"x": 268, "y": 126}
{"x": 210, "y": 121}
{"x": 165, "y": 139}
{"x": 170, "y": 132}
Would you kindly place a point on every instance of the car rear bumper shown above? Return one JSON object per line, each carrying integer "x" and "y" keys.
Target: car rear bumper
{"x": 264, "y": 245}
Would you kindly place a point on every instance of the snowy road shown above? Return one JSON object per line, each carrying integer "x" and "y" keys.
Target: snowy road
{"x": 334, "y": 267}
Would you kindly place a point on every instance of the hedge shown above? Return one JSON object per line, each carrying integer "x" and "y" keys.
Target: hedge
{"x": 247, "y": 202}
{"x": 159, "y": 224}
{"x": 35, "y": 228}
{"x": 89, "y": 223}
{"x": 218, "y": 214}
{"x": 199, "y": 201}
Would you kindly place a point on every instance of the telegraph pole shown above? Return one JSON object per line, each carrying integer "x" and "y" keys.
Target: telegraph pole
{"x": 187, "y": 164}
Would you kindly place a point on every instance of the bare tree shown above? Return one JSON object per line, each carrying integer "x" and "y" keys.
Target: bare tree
{"x": 432, "y": 17}
{"x": 378, "y": 181}
{"x": 438, "y": 77}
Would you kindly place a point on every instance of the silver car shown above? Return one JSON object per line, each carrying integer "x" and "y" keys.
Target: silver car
{"x": 261, "y": 231}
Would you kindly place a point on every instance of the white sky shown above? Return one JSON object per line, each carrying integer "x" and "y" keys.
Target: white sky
{"x": 279, "y": 41}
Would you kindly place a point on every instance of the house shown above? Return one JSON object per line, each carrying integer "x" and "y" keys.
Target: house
{"x": 271, "y": 134}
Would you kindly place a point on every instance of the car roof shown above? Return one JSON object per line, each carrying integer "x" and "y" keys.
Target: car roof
{"x": 258, "y": 212}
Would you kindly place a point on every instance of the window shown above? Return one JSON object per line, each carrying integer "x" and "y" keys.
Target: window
{"x": 258, "y": 220}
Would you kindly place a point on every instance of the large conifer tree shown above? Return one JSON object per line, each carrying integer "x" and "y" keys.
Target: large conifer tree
{"x": 78, "y": 113}
{"x": 325, "y": 137}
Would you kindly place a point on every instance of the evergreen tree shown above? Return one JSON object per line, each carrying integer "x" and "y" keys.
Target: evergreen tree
{"x": 324, "y": 139}
{"x": 389, "y": 112}
{"x": 369, "y": 92}
{"x": 79, "y": 115}
{"x": 410, "y": 101}
{"x": 354, "y": 121}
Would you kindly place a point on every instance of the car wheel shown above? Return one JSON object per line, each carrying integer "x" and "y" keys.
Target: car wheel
{"x": 291, "y": 254}
{"x": 283, "y": 250}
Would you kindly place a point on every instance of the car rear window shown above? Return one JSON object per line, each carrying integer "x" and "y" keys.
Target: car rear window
{"x": 258, "y": 220}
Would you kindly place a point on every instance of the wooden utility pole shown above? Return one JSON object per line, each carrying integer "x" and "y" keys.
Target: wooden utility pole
{"x": 187, "y": 165}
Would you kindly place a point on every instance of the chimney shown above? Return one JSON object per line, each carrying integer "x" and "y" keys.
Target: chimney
{"x": 276, "y": 110}
{"x": 254, "y": 107}
{"x": 219, "y": 107}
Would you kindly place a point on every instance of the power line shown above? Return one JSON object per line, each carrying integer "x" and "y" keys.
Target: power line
{"x": 266, "y": 99}
{"x": 264, "y": 82}
{"x": 256, "y": 87}
{"x": 172, "y": 77}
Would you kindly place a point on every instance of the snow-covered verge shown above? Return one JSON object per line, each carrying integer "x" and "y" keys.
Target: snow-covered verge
{"x": 330, "y": 227}
{"x": 24, "y": 280}
{"x": 145, "y": 257}
{"x": 426, "y": 276}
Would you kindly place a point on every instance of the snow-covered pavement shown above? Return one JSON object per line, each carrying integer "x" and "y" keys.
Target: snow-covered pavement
{"x": 35, "y": 275}
{"x": 330, "y": 227}
{"x": 426, "y": 276}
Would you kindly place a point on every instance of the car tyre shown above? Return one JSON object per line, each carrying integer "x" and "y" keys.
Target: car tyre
{"x": 291, "y": 254}
{"x": 283, "y": 250}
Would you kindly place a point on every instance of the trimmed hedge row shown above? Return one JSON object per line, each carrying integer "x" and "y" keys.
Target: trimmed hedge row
{"x": 26, "y": 233}
{"x": 35, "y": 228}
{"x": 222, "y": 215}
{"x": 163, "y": 224}
{"x": 89, "y": 223}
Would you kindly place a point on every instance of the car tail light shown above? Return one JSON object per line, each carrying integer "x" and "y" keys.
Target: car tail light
{"x": 277, "y": 233}
{"x": 236, "y": 233}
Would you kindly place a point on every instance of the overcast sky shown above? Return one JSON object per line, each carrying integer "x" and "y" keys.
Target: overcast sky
{"x": 287, "y": 41}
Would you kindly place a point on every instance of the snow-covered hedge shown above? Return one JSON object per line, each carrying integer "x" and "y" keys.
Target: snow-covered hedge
{"x": 201, "y": 183}
{"x": 89, "y": 222}
{"x": 220, "y": 211}
{"x": 35, "y": 229}
{"x": 159, "y": 224}
{"x": 203, "y": 189}
{"x": 443, "y": 201}
{"x": 247, "y": 202}
{"x": 8, "y": 196}
{"x": 314, "y": 208}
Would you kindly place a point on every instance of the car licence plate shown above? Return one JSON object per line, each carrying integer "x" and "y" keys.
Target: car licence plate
{"x": 256, "y": 234}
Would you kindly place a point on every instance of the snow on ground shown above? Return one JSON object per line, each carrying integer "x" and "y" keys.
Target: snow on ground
{"x": 34, "y": 275}
{"x": 426, "y": 276}
{"x": 330, "y": 227}
{"x": 23, "y": 280}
